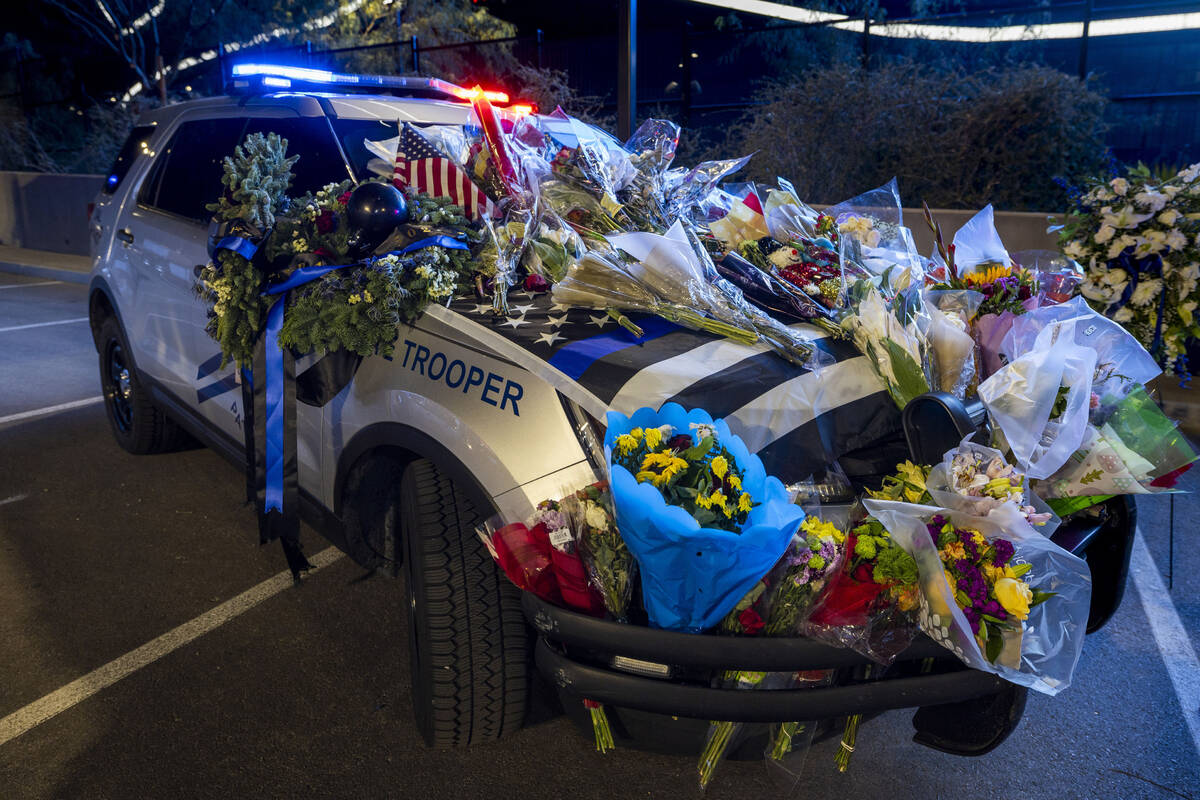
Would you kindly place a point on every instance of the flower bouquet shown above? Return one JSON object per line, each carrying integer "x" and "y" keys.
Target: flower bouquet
{"x": 663, "y": 486}
{"x": 978, "y": 480}
{"x": 893, "y": 343}
{"x": 870, "y": 603}
{"x": 610, "y": 566}
{"x": 999, "y": 595}
{"x": 1137, "y": 238}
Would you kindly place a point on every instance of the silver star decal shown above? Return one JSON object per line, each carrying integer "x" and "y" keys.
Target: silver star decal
{"x": 482, "y": 308}
{"x": 601, "y": 320}
{"x": 549, "y": 338}
{"x": 515, "y": 322}
{"x": 559, "y": 307}
{"x": 554, "y": 322}
{"x": 522, "y": 310}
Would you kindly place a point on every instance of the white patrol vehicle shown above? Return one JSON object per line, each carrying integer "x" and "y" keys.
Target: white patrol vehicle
{"x": 474, "y": 417}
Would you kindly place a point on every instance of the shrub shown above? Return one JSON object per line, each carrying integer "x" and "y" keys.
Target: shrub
{"x": 954, "y": 139}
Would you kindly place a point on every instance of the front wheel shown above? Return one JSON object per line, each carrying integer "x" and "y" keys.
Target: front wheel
{"x": 467, "y": 636}
{"x": 137, "y": 424}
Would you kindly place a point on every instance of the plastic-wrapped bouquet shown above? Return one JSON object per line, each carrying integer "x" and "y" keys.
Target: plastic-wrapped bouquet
{"x": 979, "y": 479}
{"x": 998, "y": 594}
{"x": 697, "y": 510}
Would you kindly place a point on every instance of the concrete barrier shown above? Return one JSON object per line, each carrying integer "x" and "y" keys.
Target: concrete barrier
{"x": 40, "y": 211}
{"x": 1019, "y": 230}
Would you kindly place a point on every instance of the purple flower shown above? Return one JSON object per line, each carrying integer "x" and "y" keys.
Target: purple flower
{"x": 1004, "y": 552}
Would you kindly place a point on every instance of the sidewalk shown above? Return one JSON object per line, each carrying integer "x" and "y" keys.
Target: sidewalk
{"x": 44, "y": 264}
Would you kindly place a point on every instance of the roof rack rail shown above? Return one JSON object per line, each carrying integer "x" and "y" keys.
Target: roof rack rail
{"x": 264, "y": 78}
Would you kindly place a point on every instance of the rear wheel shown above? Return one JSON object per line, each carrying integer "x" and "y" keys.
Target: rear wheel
{"x": 467, "y": 636}
{"x": 137, "y": 425}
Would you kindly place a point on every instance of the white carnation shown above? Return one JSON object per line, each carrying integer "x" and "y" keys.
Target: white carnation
{"x": 1123, "y": 315}
{"x": 1119, "y": 185}
{"x": 1145, "y": 292}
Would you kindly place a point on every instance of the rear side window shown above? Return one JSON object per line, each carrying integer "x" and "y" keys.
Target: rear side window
{"x": 310, "y": 138}
{"x": 187, "y": 175}
{"x": 138, "y": 142}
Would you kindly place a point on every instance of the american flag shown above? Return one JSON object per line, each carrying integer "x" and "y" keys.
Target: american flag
{"x": 420, "y": 165}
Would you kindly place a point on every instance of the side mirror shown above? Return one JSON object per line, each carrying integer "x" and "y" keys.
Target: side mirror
{"x": 937, "y": 421}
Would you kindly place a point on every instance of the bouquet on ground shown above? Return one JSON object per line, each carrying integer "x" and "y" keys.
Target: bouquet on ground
{"x": 999, "y": 595}
{"x": 796, "y": 583}
{"x": 697, "y": 510}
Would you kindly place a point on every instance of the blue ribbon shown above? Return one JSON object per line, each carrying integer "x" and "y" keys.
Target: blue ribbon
{"x": 273, "y": 359}
{"x": 238, "y": 244}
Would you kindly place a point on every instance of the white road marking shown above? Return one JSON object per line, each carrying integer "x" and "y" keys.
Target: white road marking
{"x": 43, "y": 324}
{"x": 41, "y": 412}
{"x": 1174, "y": 644}
{"x": 16, "y": 498}
{"x": 78, "y": 690}
{"x": 24, "y": 285}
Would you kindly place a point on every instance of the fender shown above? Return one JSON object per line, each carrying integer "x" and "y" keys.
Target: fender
{"x": 416, "y": 444}
{"x": 101, "y": 295}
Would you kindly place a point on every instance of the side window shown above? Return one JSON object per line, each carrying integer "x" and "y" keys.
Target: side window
{"x": 137, "y": 143}
{"x": 310, "y": 138}
{"x": 187, "y": 175}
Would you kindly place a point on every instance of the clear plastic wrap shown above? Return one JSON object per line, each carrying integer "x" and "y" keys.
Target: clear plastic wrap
{"x": 872, "y": 236}
{"x": 685, "y": 190}
{"x": 1121, "y": 362}
{"x": 1043, "y": 652}
{"x": 1137, "y": 451}
{"x": 1041, "y": 400}
{"x": 554, "y": 526}
{"x": 948, "y": 333}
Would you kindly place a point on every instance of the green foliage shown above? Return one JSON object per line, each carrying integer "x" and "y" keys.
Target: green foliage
{"x": 256, "y": 179}
{"x": 953, "y": 138}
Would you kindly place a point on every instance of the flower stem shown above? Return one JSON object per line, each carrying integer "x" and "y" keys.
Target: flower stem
{"x": 604, "y": 737}
{"x": 626, "y": 323}
{"x": 719, "y": 735}
{"x": 783, "y": 739}
{"x": 849, "y": 737}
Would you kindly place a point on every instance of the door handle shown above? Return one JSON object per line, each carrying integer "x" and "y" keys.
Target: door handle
{"x": 125, "y": 235}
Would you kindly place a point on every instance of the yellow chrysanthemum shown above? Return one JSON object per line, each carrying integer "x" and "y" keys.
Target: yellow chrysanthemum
{"x": 653, "y": 437}
{"x": 735, "y": 482}
{"x": 636, "y": 433}
{"x": 719, "y": 500}
{"x": 626, "y": 443}
{"x": 353, "y": 299}
{"x": 659, "y": 468}
{"x": 744, "y": 502}
{"x": 825, "y": 530}
{"x": 719, "y": 466}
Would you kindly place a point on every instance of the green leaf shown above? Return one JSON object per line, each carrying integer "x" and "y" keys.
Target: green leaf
{"x": 910, "y": 380}
{"x": 992, "y": 646}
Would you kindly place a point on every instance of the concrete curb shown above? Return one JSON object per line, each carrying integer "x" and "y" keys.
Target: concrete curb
{"x": 52, "y": 273}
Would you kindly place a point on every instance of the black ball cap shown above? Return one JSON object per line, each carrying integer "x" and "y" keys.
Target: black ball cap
{"x": 372, "y": 212}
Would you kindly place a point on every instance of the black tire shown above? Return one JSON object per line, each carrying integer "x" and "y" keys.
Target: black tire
{"x": 468, "y": 641}
{"x": 137, "y": 424}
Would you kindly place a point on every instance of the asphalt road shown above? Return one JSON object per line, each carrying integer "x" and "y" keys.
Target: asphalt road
{"x": 306, "y": 693}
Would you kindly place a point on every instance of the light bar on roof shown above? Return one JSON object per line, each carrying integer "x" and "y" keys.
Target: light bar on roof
{"x": 282, "y": 76}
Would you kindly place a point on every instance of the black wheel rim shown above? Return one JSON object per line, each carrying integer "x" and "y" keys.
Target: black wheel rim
{"x": 118, "y": 386}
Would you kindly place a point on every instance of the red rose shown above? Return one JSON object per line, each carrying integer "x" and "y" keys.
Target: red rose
{"x": 536, "y": 283}
{"x": 750, "y": 621}
{"x": 863, "y": 573}
{"x": 345, "y": 198}
{"x": 680, "y": 441}
{"x": 326, "y": 221}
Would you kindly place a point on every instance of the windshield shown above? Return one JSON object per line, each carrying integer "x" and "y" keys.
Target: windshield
{"x": 370, "y": 144}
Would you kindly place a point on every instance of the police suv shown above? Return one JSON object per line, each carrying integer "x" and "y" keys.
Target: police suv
{"x": 463, "y": 424}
